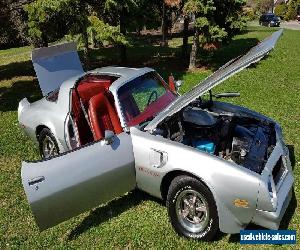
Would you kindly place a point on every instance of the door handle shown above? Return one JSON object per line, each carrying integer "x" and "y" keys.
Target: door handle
{"x": 36, "y": 180}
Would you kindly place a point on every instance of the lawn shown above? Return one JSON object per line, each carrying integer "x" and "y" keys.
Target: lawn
{"x": 137, "y": 220}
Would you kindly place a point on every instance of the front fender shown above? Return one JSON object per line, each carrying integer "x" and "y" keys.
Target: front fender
{"x": 235, "y": 188}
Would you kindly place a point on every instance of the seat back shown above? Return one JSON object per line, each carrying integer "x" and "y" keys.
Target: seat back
{"x": 103, "y": 116}
{"x": 86, "y": 90}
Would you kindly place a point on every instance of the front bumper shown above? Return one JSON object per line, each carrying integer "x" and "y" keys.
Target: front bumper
{"x": 272, "y": 220}
{"x": 275, "y": 24}
{"x": 284, "y": 188}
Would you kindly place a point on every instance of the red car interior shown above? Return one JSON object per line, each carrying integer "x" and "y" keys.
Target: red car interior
{"x": 87, "y": 88}
{"x": 103, "y": 116}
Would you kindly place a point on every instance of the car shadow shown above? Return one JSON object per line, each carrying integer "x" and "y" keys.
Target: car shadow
{"x": 113, "y": 209}
{"x": 292, "y": 155}
{"x": 16, "y": 69}
{"x": 10, "y": 96}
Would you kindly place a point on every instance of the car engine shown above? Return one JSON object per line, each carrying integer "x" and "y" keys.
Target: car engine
{"x": 244, "y": 140}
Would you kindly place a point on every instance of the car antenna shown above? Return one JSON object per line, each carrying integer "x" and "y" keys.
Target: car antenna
{"x": 210, "y": 95}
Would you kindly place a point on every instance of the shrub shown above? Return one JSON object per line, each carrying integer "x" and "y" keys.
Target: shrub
{"x": 292, "y": 9}
{"x": 280, "y": 10}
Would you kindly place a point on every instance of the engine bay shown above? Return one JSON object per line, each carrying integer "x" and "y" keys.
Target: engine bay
{"x": 245, "y": 140}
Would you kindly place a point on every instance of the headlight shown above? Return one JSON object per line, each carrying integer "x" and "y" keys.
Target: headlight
{"x": 272, "y": 191}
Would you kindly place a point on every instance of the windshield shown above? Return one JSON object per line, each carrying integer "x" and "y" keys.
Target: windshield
{"x": 143, "y": 98}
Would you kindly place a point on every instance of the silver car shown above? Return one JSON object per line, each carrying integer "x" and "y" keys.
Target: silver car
{"x": 106, "y": 132}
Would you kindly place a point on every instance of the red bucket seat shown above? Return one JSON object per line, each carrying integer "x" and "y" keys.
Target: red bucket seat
{"x": 103, "y": 116}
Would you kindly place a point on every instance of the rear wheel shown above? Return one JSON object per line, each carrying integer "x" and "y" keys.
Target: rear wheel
{"x": 192, "y": 209}
{"x": 47, "y": 144}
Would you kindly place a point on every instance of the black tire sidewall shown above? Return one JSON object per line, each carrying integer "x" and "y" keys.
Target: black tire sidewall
{"x": 46, "y": 132}
{"x": 180, "y": 184}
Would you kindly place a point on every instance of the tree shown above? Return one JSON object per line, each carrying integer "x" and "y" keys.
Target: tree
{"x": 215, "y": 21}
{"x": 13, "y": 23}
{"x": 265, "y": 6}
{"x": 50, "y": 20}
{"x": 292, "y": 9}
{"x": 280, "y": 10}
{"x": 121, "y": 8}
{"x": 147, "y": 15}
{"x": 106, "y": 33}
{"x": 166, "y": 18}
{"x": 205, "y": 25}
{"x": 185, "y": 36}
{"x": 230, "y": 16}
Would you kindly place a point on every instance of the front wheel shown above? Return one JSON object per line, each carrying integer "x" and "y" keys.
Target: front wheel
{"x": 192, "y": 209}
{"x": 47, "y": 144}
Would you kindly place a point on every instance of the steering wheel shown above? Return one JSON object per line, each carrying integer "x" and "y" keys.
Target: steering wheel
{"x": 150, "y": 97}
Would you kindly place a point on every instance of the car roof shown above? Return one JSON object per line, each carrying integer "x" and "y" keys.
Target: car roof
{"x": 124, "y": 74}
{"x": 269, "y": 14}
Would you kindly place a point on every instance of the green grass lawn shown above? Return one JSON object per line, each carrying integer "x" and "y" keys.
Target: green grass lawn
{"x": 136, "y": 220}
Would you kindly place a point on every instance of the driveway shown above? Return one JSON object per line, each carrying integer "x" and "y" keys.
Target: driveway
{"x": 292, "y": 25}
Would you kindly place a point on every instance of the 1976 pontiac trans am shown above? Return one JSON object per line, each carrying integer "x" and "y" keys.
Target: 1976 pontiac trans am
{"x": 108, "y": 131}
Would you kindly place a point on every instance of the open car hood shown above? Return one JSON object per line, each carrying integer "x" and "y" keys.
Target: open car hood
{"x": 54, "y": 65}
{"x": 229, "y": 69}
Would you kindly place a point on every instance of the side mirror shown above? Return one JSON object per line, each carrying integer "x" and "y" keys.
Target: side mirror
{"x": 108, "y": 137}
{"x": 178, "y": 84}
{"x": 174, "y": 85}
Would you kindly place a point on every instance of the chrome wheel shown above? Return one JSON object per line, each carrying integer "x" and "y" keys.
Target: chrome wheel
{"x": 192, "y": 211}
{"x": 49, "y": 148}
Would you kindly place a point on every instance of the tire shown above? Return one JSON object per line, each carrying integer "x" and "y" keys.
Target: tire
{"x": 186, "y": 194}
{"x": 47, "y": 142}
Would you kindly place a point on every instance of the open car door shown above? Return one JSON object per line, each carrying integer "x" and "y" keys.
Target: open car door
{"x": 69, "y": 184}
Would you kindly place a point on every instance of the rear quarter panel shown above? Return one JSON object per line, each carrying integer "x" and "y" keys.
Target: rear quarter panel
{"x": 44, "y": 113}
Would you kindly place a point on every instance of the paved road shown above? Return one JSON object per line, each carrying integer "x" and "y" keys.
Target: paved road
{"x": 293, "y": 25}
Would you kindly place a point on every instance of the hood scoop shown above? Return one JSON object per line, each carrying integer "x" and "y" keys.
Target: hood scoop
{"x": 198, "y": 117}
